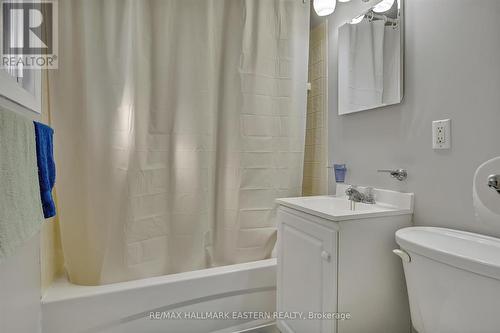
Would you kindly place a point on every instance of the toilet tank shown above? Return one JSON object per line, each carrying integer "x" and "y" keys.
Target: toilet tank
{"x": 453, "y": 280}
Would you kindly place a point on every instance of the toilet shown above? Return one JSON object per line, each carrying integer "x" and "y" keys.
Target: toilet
{"x": 453, "y": 277}
{"x": 453, "y": 280}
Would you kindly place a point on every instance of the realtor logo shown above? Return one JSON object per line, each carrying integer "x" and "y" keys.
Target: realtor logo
{"x": 29, "y": 34}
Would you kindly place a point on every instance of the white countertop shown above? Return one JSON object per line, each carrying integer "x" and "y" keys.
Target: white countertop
{"x": 337, "y": 208}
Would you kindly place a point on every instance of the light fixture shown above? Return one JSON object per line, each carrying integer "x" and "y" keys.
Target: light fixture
{"x": 344, "y": 0}
{"x": 358, "y": 19}
{"x": 324, "y": 7}
{"x": 383, "y": 6}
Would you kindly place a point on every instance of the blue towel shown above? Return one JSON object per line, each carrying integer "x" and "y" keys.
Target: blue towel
{"x": 46, "y": 167}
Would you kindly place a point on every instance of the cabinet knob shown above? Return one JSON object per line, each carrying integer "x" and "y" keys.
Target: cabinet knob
{"x": 325, "y": 256}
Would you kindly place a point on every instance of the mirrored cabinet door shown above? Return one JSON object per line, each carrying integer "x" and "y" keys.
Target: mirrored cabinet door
{"x": 370, "y": 58}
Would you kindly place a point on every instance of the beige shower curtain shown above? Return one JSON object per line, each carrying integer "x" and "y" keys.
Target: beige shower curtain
{"x": 178, "y": 122}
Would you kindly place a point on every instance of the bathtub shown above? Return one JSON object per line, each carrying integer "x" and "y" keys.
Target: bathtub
{"x": 149, "y": 305}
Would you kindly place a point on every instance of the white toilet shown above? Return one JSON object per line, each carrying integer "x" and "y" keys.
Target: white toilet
{"x": 453, "y": 280}
{"x": 453, "y": 277}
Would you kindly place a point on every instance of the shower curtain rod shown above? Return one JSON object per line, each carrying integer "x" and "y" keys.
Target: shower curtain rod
{"x": 374, "y": 16}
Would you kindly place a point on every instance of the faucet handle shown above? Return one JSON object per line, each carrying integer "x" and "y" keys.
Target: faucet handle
{"x": 350, "y": 188}
{"x": 369, "y": 191}
{"x": 369, "y": 195}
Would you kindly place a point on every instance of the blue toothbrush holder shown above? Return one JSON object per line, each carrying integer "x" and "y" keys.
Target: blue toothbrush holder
{"x": 340, "y": 170}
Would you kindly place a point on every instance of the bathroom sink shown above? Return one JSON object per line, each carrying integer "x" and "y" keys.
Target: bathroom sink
{"x": 338, "y": 207}
{"x": 340, "y": 254}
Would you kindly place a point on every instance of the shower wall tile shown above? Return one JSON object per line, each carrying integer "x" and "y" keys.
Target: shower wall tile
{"x": 258, "y": 85}
{"x": 248, "y": 238}
{"x": 258, "y": 144}
{"x": 187, "y": 223}
{"x": 284, "y": 48}
{"x": 315, "y": 171}
{"x": 264, "y": 66}
{"x": 258, "y": 178}
{"x": 249, "y": 254}
{"x": 257, "y": 160}
{"x": 189, "y": 179}
{"x": 148, "y": 250}
{"x": 283, "y": 105}
{"x": 193, "y": 249}
{"x": 50, "y": 252}
{"x": 253, "y": 125}
{"x": 260, "y": 104}
{"x": 154, "y": 248}
{"x": 256, "y": 218}
{"x": 229, "y": 200}
{"x": 318, "y": 87}
{"x": 133, "y": 254}
{"x": 284, "y": 68}
{"x": 146, "y": 205}
{"x": 123, "y": 120}
{"x": 286, "y": 159}
{"x": 284, "y": 87}
{"x": 188, "y": 158}
{"x": 192, "y": 142}
{"x": 257, "y": 198}
{"x": 147, "y": 181}
{"x": 156, "y": 142}
{"x": 146, "y": 228}
{"x": 229, "y": 177}
{"x": 189, "y": 202}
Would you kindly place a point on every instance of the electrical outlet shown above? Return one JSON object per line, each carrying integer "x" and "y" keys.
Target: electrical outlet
{"x": 441, "y": 134}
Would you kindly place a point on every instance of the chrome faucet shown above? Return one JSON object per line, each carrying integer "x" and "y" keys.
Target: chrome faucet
{"x": 399, "y": 174}
{"x": 353, "y": 194}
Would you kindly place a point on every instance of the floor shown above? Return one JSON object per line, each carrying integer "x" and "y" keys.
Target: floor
{"x": 263, "y": 329}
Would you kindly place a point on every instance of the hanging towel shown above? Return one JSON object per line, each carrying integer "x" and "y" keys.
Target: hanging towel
{"x": 361, "y": 61}
{"x": 366, "y": 77}
{"x": 46, "y": 167}
{"x": 20, "y": 210}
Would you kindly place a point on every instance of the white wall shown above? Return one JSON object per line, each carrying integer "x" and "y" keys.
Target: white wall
{"x": 452, "y": 71}
{"x": 20, "y": 309}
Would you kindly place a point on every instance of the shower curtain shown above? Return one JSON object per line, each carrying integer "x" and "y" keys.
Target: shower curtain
{"x": 178, "y": 123}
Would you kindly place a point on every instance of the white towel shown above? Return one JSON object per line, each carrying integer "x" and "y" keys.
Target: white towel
{"x": 366, "y": 79}
{"x": 361, "y": 65}
{"x": 20, "y": 205}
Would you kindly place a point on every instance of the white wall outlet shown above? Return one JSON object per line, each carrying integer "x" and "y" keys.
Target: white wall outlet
{"x": 441, "y": 134}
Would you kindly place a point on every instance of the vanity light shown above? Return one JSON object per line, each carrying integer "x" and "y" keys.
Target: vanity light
{"x": 383, "y": 6}
{"x": 324, "y": 7}
{"x": 344, "y": 0}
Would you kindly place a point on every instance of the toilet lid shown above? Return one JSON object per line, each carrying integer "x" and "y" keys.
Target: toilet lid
{"x": 486, "y": 200}
{"x": 466, "y": 250}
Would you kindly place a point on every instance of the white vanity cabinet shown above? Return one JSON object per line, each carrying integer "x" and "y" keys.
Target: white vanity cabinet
{"x": 307, "y": 266}
{"x": 334, "y": 260}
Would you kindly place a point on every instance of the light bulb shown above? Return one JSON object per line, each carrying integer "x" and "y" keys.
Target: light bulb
{"x": 383, "y": 6}
{"x": 324, "y": 7}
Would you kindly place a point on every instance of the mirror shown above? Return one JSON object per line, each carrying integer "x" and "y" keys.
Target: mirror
{"x": 370, "y": 58}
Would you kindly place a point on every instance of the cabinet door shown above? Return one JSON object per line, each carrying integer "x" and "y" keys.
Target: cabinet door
{"x": 307, "y": 264}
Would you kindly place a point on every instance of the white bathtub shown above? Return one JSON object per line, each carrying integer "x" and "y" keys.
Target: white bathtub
{"x": 126, "y": 307}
